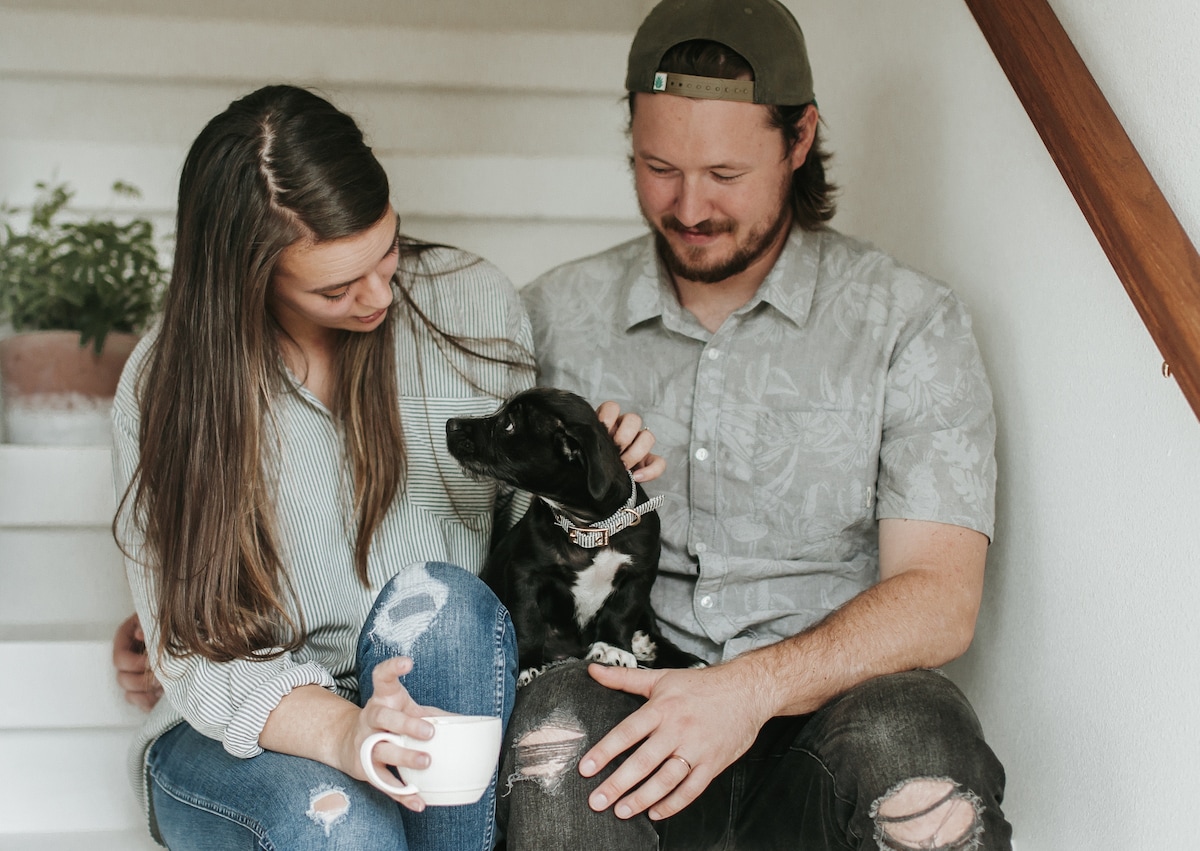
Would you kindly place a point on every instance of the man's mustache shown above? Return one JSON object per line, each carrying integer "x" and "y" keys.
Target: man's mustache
{"x": 708, "y": 227}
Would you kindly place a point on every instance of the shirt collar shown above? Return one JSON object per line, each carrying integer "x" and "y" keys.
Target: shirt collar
{"x": 789, "y": 286}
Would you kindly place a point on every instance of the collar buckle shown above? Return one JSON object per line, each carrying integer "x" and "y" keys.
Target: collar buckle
{"x": 599, "y": 534}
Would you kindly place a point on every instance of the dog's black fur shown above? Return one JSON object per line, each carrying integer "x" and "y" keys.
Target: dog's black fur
{"x": 551, "y": 444}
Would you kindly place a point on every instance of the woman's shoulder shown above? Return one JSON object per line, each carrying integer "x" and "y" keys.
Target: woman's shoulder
{"x": 448, "y": 266}
{"x": 128, "y": 389}
{"x": 460, "y": 291}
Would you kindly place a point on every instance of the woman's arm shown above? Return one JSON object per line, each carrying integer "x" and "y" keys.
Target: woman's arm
{"x": 317, "y": 724}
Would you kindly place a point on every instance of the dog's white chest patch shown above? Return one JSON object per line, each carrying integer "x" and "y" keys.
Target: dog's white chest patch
{"x": 595, "y": 583}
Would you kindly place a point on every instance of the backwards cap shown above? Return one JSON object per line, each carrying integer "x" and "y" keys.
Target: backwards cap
{"x": 762, "y": 31}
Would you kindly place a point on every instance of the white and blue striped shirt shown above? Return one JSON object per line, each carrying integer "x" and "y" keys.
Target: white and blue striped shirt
{"x": 442, "y": 515}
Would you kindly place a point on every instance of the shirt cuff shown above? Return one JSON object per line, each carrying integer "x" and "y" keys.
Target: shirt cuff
{"x": 244, "y": 728}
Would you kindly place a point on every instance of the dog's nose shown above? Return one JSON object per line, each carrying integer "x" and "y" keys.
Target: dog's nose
{"x": 456, "y": 434}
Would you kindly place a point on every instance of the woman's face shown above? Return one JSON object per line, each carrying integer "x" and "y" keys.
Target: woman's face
{"x": 341, "y": 285}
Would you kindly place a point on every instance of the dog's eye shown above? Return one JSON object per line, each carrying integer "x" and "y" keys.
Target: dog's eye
{"x": 509, "y": 427}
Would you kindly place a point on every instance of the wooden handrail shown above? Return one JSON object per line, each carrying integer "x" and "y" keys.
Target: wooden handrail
{"x": 1144, "y": 241}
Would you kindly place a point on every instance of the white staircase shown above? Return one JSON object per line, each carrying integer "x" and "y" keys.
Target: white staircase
{"x": 501, "y": 126}
{"x": 64, "y": 727}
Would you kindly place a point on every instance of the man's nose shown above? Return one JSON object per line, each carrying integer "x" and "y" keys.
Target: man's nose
{"x": 692, "y": 204}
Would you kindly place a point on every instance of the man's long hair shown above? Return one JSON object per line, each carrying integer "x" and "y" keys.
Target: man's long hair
{"x": 811, "y": 198}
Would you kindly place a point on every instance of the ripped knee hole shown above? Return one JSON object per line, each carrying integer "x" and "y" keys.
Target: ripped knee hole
{"x": 928, "y": 813}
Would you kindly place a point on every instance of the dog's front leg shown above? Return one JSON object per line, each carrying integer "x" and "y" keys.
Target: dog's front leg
{"x": 616, "y": 623}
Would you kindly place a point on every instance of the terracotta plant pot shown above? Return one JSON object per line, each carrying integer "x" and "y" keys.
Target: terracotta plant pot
{"x": 57, "y": 392}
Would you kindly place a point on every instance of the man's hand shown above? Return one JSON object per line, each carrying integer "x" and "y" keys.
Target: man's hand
{"x": 134, "y": 674}
{"x": 634, "y": 440}
{"x": 694, "y": 724}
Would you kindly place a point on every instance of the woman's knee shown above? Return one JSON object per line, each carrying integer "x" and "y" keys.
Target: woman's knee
{"x": 456, "y": 631}
{"x": 438, "y": 604}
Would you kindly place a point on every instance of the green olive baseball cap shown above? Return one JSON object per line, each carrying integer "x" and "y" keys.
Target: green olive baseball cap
{"x": 762, "y": 31}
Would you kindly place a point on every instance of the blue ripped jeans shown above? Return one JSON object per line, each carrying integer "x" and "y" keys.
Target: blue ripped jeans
{"x": 819, "y": 782}
{"x": 203, "y": 798}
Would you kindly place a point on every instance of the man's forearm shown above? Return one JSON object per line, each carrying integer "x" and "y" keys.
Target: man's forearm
{"x": 921, "y": 616}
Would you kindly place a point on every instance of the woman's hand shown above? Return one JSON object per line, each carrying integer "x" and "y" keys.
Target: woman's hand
{"x": 134, "y": 674}
{"x": 634, "y": 440}
{"x": 391, "y": 709}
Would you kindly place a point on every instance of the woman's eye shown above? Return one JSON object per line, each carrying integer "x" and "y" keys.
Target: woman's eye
{"x": 334, "y": 296}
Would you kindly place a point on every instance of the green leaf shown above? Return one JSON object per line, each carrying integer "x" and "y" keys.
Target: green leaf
{"x": 94, "y": 276}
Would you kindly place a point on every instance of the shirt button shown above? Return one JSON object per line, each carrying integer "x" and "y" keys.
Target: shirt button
{"x": 713, "y": 354}
{"x": 701, "y": 547}
{"x": 701, "y": 454}
{"x": 706, "y": 602}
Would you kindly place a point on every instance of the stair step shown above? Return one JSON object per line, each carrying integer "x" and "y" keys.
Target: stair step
{"x": 138, "y": 840}
{"x": 72, "y": 663}
{"x": 61, "y": 575}
{"x": 72, "y": 780}
{"x": 56, "y": 486}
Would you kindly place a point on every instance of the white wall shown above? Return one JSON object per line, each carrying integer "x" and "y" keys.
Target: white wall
{"x": 1084, "y": 669}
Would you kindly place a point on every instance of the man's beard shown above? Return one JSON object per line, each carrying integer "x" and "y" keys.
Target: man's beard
{"x": 757, "y": 244}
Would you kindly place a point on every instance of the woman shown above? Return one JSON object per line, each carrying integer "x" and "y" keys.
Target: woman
{"x": 290, "y": 515}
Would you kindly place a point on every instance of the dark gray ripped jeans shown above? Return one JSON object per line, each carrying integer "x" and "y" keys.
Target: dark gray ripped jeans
{"x": 835, "y": 779}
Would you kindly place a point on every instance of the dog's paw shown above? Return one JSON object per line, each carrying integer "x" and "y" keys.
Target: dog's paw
{"x": 529, "y": 675}
{"x": 606, "y": 654}
{"x": 644, "y": 648}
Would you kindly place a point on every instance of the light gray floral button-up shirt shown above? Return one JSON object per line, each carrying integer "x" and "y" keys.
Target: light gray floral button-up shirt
{"x": 849, "y": 389}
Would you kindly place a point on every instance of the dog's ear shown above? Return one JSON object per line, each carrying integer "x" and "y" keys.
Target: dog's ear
{"x": 592, "y": 447}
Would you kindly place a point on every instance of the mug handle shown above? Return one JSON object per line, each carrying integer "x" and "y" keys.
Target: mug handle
{"x": 365, "y": 755}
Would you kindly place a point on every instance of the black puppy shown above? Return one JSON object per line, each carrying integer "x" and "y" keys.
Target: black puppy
{"x": 575, "y": 572}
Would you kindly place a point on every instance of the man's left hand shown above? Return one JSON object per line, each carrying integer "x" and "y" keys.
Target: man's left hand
{"x": 695, "y": 723}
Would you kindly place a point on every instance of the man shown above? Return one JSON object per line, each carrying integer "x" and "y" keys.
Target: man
{"x": 827, "y": 426}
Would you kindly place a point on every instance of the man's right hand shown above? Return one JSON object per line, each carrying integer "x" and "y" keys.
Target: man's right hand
{"x": 134, "y": 674}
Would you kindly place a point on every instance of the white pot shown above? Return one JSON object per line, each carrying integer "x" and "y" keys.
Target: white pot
{"x": 57, "y": 392}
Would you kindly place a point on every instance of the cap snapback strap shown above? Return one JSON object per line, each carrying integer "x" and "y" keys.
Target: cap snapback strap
{"x": 713, "y": 88}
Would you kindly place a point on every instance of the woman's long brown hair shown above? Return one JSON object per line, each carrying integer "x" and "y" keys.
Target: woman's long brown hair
{"x": 280, "y": 164}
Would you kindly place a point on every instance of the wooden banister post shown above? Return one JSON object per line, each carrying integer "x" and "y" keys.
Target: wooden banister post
{"x": 1144, "y": 241}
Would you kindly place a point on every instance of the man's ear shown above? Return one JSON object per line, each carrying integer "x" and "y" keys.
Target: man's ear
{"x": 806, "y": 133}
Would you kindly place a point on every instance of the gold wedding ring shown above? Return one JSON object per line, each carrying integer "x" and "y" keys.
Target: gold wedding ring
{"x": 681, "y": 759}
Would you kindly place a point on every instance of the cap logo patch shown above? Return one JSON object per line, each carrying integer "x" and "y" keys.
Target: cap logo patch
{"x": 660, "y": 82}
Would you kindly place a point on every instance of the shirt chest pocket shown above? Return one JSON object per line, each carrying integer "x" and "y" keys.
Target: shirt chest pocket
{"x": 435, "y": 482}
{"x": 809, "y": 471}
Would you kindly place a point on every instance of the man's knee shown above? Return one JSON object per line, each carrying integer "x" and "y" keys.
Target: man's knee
{"x": 915, "y": 716}
{"x": 558, "y": 716}
{"x": 928, "y": 813}
{"x": 545, "y": 754}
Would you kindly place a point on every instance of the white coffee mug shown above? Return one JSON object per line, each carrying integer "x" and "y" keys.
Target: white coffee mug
{"x": 463, "y": 754}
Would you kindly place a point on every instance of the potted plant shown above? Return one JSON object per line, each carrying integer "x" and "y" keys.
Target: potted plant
{"x": 76, "y": 292}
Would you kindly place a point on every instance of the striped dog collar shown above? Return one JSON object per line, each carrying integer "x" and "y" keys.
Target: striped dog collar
{"x": 597, "y": 534}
